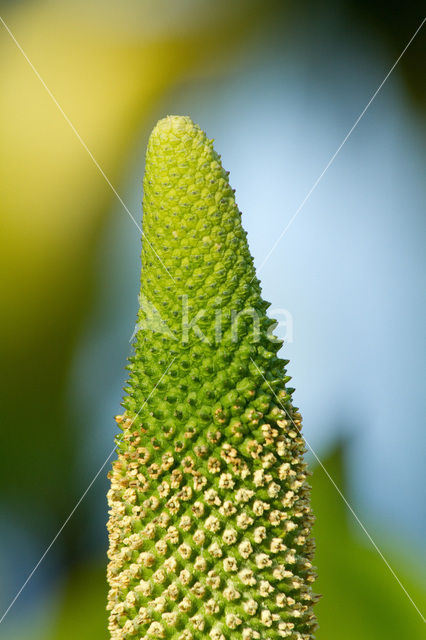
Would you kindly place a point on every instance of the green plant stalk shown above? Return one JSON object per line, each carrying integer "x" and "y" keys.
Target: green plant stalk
{"x": 210, "y": 519}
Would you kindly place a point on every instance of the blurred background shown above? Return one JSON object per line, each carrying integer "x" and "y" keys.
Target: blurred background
{"x": 278, "y": 85}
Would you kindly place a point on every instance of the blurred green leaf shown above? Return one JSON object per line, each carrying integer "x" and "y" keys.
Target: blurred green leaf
{"x": 361, "y": 598}
{"x": 82, "y": 614}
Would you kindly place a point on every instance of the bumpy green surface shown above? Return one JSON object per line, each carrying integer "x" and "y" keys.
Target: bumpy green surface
{"x": 210, "y": 517}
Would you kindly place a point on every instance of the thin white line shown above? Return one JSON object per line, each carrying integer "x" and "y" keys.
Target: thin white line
{"x": 343, "y": 497}
{"x": 78, "y": 504}
{"x": 83, "y": 144}
{"x": 330, "y": 162}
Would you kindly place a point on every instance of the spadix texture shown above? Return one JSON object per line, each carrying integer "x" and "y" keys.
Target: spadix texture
{"x": 210, "y": 519}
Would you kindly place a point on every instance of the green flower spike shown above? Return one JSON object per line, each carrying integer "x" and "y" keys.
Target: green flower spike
{"x": 210, "y": 519}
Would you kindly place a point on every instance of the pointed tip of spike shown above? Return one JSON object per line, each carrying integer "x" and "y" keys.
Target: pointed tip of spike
{"x": 173, "y": 124}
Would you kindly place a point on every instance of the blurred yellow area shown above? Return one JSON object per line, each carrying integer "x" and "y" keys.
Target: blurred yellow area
{"x": 106, "y": 74}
